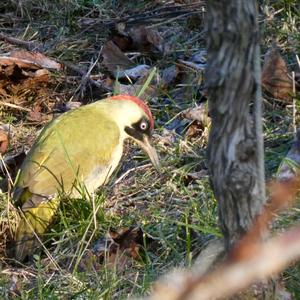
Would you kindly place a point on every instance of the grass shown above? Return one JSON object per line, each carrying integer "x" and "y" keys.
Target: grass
{"x": 171, "y": 217}
{"x": 176, "y": 212}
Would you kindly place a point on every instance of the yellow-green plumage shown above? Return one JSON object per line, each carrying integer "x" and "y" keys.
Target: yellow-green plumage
{"x": 66, "y": 150}
{"x": 83, "y": 146}
{"x": 33, "y": 220}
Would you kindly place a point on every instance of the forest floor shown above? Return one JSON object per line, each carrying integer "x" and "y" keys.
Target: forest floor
{"x": 116, "y": 243}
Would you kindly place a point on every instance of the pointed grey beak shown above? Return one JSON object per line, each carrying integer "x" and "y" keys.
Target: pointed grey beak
{"x": 146, "y": 146}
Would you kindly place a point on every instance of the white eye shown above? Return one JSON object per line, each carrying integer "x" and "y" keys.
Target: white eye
{"x": 144, "y": 125}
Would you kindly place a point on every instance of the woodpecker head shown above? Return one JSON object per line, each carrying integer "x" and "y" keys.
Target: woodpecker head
{"x": 138, "y": 124}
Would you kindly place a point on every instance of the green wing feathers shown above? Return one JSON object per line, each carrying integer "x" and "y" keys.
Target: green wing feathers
{"x": 68, "y": 151}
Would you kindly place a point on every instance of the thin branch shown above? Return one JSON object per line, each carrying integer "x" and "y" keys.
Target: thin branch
{"x": 24, "y": 44}
{"x": 232, "y": 278}
{"x": 158, "y": 14}
{"x": 294, "y": 103}
{"x": 270, "y": 258}
{"x": 298, "y": 60}
{"x": 11, "y": 105}
{"x": 250, "y": 260}
{"x": 86, "y": 78}
{"x": 129, "y": 171}
{"x": 83, "y": 73}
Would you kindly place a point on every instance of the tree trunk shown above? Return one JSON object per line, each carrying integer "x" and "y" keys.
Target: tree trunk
{"x": 232, "y": 83}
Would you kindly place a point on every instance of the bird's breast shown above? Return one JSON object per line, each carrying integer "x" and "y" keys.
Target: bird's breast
{"x": 100, "y": 173}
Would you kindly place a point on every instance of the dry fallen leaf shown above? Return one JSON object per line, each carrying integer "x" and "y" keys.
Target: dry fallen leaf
{"x": 29, "y": 60}
{"x": 169, "y": 75}
{"x": 199, "y": 113}
{"x": 275, "y": 76}
{"x": 139, "y": 38}
{"x": 200, "y": 121}
{"x": 37, "y": 116}
{"x": 135, "y": 73}
{"x": 195, "y": 130}
{"x": 21, "y": 63}
{"x": 120, "y": 65}
{"x": 42, "y": 75}
{"x": 133, "y": 90}
{"x": 37, "y": 58}
{"x": 3, "y": 141}
{"x": 147, "y": 39}
{"x": 167, "y": 138}
{"x": 116, "y": 250}
{"x": 114, "y": 59}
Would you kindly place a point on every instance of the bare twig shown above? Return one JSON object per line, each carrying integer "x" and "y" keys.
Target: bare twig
{"x": 86, "y": 78}
{"x": 250, "y": 260}
{"x": 294, "y": 103}
{"x": 82, "y": 73}
{"x": 3, "y": 165}
{"x": 11, "y": 105}
{"x": 129, "y": 171}
{"x": 282, "y": 195}
{"x": 154, "y": 16}
{"x": 24, "y": 44}
{"x": 270, "y": 258}
{"x": 298, "y": 60}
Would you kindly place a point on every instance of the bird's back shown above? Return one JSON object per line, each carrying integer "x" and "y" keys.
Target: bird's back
{"x": 77, "y": 147}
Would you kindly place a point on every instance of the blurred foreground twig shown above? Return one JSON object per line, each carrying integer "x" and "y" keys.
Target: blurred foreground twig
{"x": 250, "y": 261}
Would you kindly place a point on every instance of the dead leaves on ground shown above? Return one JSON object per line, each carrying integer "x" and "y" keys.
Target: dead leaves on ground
{"x": 40, "y": 60}
{"x": 181, "y": 81}
{"x": 26, "y": 76}
{"x": 114, "y": 59}
{"x": 25, "y": 82}
{"x": 276, "y": 79}
{"x": 289, "y": 167}
{"x": 120, "y": 66}
{"x": 116, "y": 250}
{"x": 139, "y": 38}
{"x": 29, "y": 64}
{"x": 128, "y": 77}
{"x": 188, "y": 77}
{"x": 191, "y": 124}
{"x": 3, "y": 141}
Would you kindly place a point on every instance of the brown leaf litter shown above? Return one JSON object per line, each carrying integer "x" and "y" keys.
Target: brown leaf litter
{"x": 115, "y": 250}
{"x": 276, "y": 79}
{"x": 3, "y": 141}
{"x": 25, "y": 82}
{"x": 114, "y": 59}
{"x": 139, "y": 38}
{"x": 30, "y": 60}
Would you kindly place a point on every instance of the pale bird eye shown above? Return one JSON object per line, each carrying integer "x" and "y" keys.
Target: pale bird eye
{"x": 144, "y": 126}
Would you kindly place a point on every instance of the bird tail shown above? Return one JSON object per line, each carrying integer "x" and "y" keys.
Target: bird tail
{"x": 33, "y": 223}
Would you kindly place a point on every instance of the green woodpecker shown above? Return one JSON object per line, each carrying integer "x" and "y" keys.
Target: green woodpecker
{"x": 79, "y": 148}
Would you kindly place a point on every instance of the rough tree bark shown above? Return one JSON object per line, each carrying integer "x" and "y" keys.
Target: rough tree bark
{"x": 232, "y": 83}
